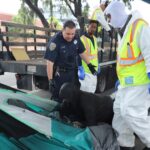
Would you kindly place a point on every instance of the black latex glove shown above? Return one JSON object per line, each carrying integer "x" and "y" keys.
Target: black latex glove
{"x": 51, "y": 85}
{"x": 92, "y": 69}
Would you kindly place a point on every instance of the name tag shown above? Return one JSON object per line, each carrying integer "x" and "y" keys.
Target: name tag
{"x": 129, "y": 80}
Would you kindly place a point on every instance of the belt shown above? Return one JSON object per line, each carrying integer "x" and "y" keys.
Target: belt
{"x": 64, "y": 69}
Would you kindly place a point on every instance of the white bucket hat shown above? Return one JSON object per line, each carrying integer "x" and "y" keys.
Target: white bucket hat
{"x": 118, "y": 13}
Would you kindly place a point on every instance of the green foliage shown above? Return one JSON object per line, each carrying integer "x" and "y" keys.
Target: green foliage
{"x": 76, "y": 8}
{"x": 85, "y": 12}
{"x": 53, "y": 6}
{"x": 24, "y": 16}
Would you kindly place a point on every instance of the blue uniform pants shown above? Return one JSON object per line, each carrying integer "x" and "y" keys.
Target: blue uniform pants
{"x": 61, "y": 78}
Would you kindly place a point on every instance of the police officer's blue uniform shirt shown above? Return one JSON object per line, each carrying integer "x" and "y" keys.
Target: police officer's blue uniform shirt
{"x": 62, "y": 52}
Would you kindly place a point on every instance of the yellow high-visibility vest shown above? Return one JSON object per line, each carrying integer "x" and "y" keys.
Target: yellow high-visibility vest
{"x": 96, "y": 11}
{"x": 131, "y": 69}
{"x": 91, "y": 51}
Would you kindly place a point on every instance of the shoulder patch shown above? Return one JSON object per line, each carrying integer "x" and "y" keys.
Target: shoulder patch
{"x": 52, "y": 46}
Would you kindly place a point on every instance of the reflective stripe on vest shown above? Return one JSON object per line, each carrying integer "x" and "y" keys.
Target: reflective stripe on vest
{"x": 131, "y": 59}
{"x": 88, "y": 48}
{"x": 131, "y": 68}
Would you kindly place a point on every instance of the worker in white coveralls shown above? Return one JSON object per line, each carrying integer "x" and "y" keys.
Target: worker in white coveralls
{"x": 132, "y": 103}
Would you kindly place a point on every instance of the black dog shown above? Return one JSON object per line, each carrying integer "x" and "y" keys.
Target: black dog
{"x": 87, "y": 108}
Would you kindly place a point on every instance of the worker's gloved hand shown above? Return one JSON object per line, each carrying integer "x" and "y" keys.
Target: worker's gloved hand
{"x": 117, "y": 84}
{"x": 99, "y": 70}
{"x": 81, "y": 73}
{"x": 51, "y": 85}
{"x": 92, "y": 69}
{"x": 149, "y": 84}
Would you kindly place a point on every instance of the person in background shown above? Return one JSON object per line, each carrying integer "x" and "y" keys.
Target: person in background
{"x": 98, "y": 15}
{"x": 132, "y": 103}
{"x": 61, "y": 55}
{"x": 87, "y": 79}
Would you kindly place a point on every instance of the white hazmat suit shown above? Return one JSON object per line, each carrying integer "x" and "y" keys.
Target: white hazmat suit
{"x": 132, "y": 103}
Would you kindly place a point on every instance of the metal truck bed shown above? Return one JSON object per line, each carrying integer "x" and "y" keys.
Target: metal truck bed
{"x": 35, "y": 66}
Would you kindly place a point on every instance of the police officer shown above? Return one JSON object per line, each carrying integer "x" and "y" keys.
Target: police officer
{"x": 61, "y": 56}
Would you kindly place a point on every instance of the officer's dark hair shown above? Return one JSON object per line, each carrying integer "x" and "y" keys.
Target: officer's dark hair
{"x": 70, "y": 24}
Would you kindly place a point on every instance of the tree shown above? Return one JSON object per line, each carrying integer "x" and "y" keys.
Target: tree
{"x": 85, "y": 12}
{"x": 50, "y": 6}
{"x": 25, "y": 15}
{"x": 64, "y": 10}
{"x": 75, "y": 7}
{"x": 76, "y": 10}
{"x": 33, "y": 5}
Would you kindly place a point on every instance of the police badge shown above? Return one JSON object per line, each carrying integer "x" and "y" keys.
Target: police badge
{"x": 75, "y": 42}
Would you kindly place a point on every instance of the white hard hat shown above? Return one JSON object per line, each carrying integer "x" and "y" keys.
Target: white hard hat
{"x": 118, "y": 13}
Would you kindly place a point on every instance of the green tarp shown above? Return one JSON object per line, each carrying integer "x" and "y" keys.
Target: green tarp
{"x": 6, "y": 144}
{"x": 60, "y": 136}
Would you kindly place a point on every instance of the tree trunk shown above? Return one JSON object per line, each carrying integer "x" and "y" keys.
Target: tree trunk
{"x": 38, "y": 12}
{"x": 78, "y": 13}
